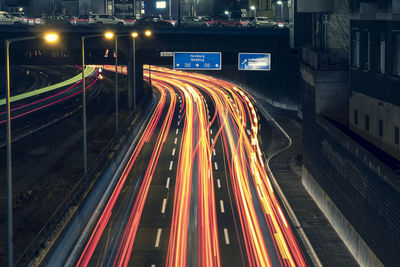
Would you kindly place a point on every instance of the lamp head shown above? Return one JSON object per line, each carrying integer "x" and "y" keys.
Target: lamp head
{"x": 134, "y": 34}
{"x": 148, "y": 33}
{"x": 51, "y": 37}
{"x": 109, "y": 35}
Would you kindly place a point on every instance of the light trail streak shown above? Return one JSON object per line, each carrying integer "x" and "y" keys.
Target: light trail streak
{"x": 236, "y": 115}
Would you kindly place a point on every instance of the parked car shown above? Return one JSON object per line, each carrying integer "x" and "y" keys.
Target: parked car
{"x": 258, "y": 22}
{"x": 7, "y": 19}
{"x": 55, "y": 20}
{"x": 282, "y": 24}
{"x": 82, "y": 20}
{"x": 129, "y": 20}
{"x": 153, "y": 21}
{"x": 21, "y": 16}
{"x": 209, "y": 20}
{"x": 193, "y": 22}
{"x": 227, "y": 22}
{"x": 105, "y": 20}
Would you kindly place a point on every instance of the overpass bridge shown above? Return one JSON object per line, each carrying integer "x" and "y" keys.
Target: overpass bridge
{"x": 228, "y": 41}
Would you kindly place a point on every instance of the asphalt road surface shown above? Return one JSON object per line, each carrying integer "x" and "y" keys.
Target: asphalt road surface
{"x": 195, "y": 191}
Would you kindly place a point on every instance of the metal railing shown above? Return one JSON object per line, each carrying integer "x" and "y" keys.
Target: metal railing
{"x": 77, "y": 193}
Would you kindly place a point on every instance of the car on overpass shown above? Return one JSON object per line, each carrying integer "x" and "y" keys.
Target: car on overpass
{"x": 258, "y": 22}
{"x": 228, "y": 22}
{"x": 153, "y": 21}
{"x": 129, "y": 20}
{"x": 105, "y": 20}
{"x": 194, "y": 22}
{"x": 82, "y": 20}
{"x": 8, "y": 19}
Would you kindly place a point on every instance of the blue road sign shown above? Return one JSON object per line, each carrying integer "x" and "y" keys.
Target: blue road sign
{"x": 197, "y": 60}
{"x": 255, "y": 61}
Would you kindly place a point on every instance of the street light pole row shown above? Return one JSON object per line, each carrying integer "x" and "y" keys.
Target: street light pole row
{"x": 53, "y": 38}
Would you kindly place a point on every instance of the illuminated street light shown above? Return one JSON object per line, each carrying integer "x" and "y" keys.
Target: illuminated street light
{"x": 109, "y": 35}
{"x": 226, "y": 12}
{"x": 252, "y": 8}
{"x": 279, "y": 2}
{"x": 134, "y": 34}
{"x": 148, "y": 33}
{"x": 50, "y": 38}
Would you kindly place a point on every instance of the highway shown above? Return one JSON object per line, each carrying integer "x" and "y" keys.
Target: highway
{"x": 195, "y": 191}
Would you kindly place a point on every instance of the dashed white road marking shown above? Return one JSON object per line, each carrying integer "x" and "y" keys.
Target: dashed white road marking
{"x": 248, "y": 132}
{"x": 177, "y": 131}
{"x": 179, "y": 122}
{"x": 226, "y": 236}
{"x": 158, "y": 238}
{"x": 176, "y": 140}
{"x": 173, "y": 152}
{"x": 214, "y": 152}
{"x": 219, "y": 183}
{"x": 210, "y": 131}
{"x": 221, "y": 203}
{"x": 170, "y": 165}
{"x": 179, "y": 116}
{"x": 212, "y": 141}
{"x": 167, "y": 184}
{"x": 216, "y": 165}
{"x": 164, "y": 204}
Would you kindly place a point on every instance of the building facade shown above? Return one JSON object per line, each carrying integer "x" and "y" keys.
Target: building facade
{"x": 350, "y": 109}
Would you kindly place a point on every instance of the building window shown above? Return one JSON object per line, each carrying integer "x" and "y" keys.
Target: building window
{"x": 368, "y": 52}
{"x": 380, "y": 130}
{"x": 356, "y": 50}
{"x": 366, "y": 122}
{"x": 396, "y": 135}
{"x": 355, "y": 117}
{"x": 382, "y": 41}
{"x": 396, "y": 54}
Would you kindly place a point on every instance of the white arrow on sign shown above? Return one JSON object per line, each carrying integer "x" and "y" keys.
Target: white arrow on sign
{"x": 197, "y": 65}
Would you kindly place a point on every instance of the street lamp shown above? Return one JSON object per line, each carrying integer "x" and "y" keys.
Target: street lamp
{"x": 134, "y": 36}
{"x": 107, "y": 35}
{"x": 280, "y": 3}
{"x": 148, "y": 33}
{"x": 110, "y": 35}
{"x": 49, "y": 38}
{"x": 253, "y": 8}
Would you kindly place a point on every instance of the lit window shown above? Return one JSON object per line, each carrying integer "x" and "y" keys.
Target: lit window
{"x": 161, "y": 4}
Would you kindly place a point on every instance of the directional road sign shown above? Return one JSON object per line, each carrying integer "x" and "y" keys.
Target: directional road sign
{"x": 255, "y": 61}
{"x": 197, "y": 60}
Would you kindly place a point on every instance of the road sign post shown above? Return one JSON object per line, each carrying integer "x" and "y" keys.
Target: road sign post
{"x": 254, "y": 61}
{"x": 197, "y": 60}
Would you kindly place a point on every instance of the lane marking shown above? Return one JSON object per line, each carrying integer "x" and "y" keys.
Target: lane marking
{"x": 176, "y": 140}
{"x": 179, "y": 117}
{"x": 170, "y": 165}
{"x": 156, "y": 245}
{"x": 214, "y": 152}
{"x": 212, "y": 141}
{"x": 215, "y": 165}
{"x": 179, "y": 122}
{"x": 164, "y": 204}
{"x": 219, "y": 183}
{"x": 167, "y": 184}
{"x": 221, "y": 203}
{"x": 226, "y": 236}
{"x": 248, "y": 132}
{"x": 210, "y": 131}
{"x": 177, "y": 131}
{"x": 173, "y": 152}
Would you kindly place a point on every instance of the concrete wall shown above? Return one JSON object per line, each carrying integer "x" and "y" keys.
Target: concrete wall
{"x": 357, "y": 246}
